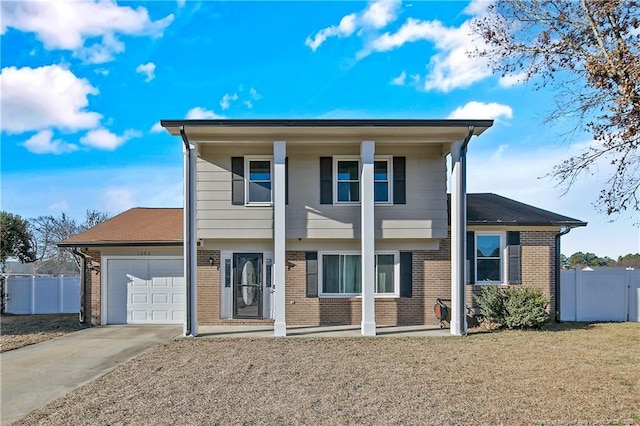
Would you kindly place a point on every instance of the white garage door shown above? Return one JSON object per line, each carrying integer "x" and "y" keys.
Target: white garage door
{"x": 145, "y": 291}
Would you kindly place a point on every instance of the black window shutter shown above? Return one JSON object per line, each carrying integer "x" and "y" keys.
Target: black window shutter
{"x": 514, "y": 271}
{"x": 471, "y": 256}
{"x": 237, "y": 181}
{"x": 286, "y": 180}
{"x": 406, "y": 274}
{"x": 326, "y": 180}
{"x": 399, "y": 181}
{"x": 312, "y": 273}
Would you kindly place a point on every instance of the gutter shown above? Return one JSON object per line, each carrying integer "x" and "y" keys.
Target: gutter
{"x": 190, "y": 243}
{"x": 83, "y": 280}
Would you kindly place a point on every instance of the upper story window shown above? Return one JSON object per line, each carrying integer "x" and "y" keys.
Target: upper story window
{"x": 347, "y": 180}
{"x": 259, "y": 178}
{"x": 489, "y": 257}
{"x": 381, "y": 187}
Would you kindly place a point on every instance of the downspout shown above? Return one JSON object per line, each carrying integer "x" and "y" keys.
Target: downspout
{"x": 463, "y": 234}
{"x": 458, "y": 302}
{"x": 557, "y": 271}
{"x": 83, "y": 280}
{"x": 189, "y": 234}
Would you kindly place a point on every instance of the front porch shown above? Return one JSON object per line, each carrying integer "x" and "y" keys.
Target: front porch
{"x": 347, "y": 331}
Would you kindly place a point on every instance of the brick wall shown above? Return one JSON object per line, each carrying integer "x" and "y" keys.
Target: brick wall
{"x": 208, "y": 279}
{"x": 431, "y": 280}
{"x": 538, "y": 262}
{"x": 92, "y": 290}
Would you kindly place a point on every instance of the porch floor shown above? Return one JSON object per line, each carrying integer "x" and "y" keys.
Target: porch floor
{"x": 255, "y": 331}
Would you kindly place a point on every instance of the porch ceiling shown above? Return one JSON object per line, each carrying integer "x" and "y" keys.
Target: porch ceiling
{"x": 327, "y": 131}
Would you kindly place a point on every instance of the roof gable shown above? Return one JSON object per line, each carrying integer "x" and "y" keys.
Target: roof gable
{"x": 137, "y": 226}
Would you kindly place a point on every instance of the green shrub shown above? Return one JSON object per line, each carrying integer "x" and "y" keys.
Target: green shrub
{"x": 526, "y": 308}
{"x": 515, "y": 307}
{"x": 491, "y": 302}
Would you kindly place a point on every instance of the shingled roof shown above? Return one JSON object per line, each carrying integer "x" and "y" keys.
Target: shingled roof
{"x": 492, "y": 209}
{"x": 135, "y": 227}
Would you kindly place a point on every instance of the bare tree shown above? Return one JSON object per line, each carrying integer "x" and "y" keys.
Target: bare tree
{"x": 51, "y": 230}
{"x": 589, "y": 50}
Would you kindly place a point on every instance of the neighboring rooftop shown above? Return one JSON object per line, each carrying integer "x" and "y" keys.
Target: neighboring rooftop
{"x": 492, "y": 209}
{"x": 137, "y": 226}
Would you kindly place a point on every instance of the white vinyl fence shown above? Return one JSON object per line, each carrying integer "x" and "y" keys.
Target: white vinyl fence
{"x": 602, "y": 294}
{"x": 42, "y": 294}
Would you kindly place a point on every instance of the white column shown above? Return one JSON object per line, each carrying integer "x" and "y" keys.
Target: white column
{"x": 367, "y": 151}
{"x": 458, "y": 241}
{"x": 279, "y": 253}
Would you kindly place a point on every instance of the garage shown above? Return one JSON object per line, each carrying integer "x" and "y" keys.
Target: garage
{"x": 144, "y": 290}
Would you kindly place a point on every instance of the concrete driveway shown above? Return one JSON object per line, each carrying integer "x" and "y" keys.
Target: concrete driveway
{"x": 35, "y": 375}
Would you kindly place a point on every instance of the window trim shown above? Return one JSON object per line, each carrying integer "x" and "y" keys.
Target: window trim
{"x": 396, "y": 275}
{"x": 503, "y": 256}
{"x": 386, "y": 158}
{"x": 247, "y": 179}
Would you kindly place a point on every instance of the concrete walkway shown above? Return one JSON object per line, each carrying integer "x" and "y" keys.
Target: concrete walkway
{"x": 255, "y": 331}
{"x": 34, "y": 375}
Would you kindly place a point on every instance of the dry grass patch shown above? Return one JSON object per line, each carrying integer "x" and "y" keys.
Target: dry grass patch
{"x": 17, "y": 331}
{"x": 584, "y": 374}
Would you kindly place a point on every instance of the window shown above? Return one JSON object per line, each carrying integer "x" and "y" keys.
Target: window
{"x": 347, "y": 181}
{"x": 381, "y": 181}
{"x": 489, "y": 257}
{"x": 258, "y": 181}
{"x": 342, "y": 274}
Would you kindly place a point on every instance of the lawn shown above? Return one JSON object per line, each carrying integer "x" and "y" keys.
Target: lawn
{"x": 17, "y": 331}
{"x": 571, "y": 374}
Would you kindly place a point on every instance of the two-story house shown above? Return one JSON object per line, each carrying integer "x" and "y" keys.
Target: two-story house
{"x": 313, "y": 222}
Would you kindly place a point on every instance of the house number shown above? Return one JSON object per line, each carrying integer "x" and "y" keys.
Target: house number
{"x": 144, "y": 253}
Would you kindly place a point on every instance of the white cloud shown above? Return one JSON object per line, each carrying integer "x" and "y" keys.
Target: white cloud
{"x": 512, "y": 79}
{"x": 199, "y": 113}
{"x": 99, "y": 53}
{"x": 226, "y": 100}
{"x": 181, "y": 3}
{"x": 101, "y": 71}
{"x": 45, "y": 97}
{"x": 43, "y": 143}
{"x": 450, "y": 67}
{"x": 376, "y": 15}
{"x": 345, "y": 28}
{"x": 148, "y": 70}
{"x": 156, "y": 128}
{"x": 399, "y": 80}
{"x": 103, "y": 139}
{"x": 69, "y": 24}
{"x": 254, "y": 94}
{"x": 380, "y": 13}
{"x": 248, "y": 104}
{"x": 118, "y": 199}
{"x": 479, "y": 111}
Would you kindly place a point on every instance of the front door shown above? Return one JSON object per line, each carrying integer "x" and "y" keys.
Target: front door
{"x": 247, "y": 285}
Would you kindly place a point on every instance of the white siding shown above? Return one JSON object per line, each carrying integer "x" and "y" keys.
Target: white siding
{"x": 423, "y": 217}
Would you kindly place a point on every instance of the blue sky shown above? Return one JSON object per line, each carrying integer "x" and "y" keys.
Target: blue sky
{"x": 84, "y": 85}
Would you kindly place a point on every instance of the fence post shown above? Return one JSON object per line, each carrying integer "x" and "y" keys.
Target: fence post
{"x": 33, "y": 294}
{"x": 61, "y": 293}
{"x": 578, "y": 294}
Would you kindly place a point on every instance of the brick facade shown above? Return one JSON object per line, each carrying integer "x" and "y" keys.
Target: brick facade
{"x": 431, "y": 276}
{"x": 93, "y": 289}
